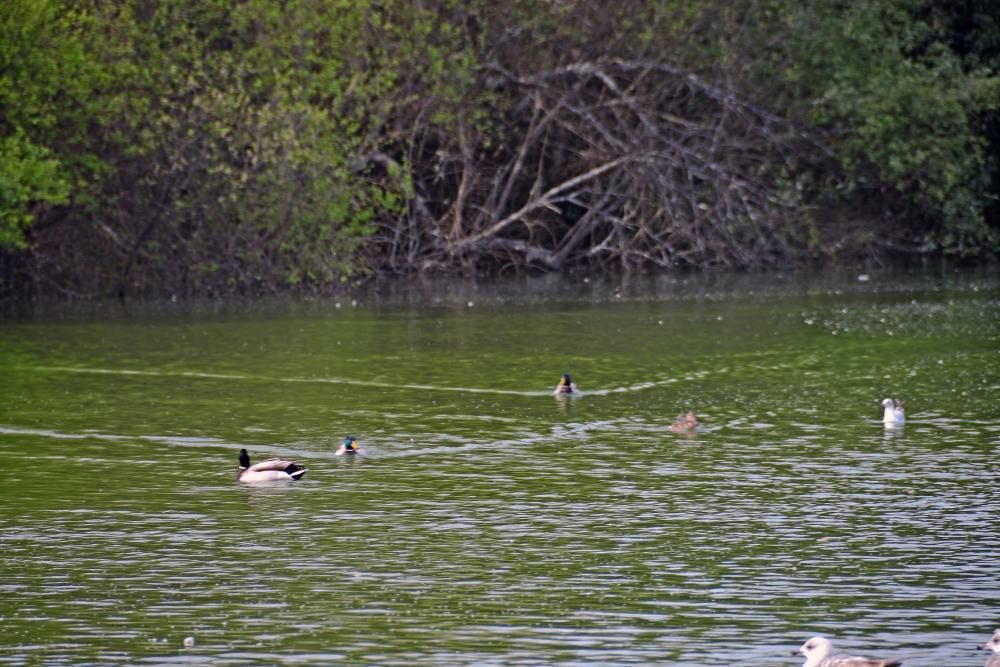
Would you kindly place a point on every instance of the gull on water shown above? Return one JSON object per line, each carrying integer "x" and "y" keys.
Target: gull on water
{"x": 817, "y": 652}
{"x": 993, "y": 645}
{"x": 893, "y": 414}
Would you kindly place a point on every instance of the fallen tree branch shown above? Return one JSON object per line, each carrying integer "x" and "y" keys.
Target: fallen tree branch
{"x": 545, "y": 200}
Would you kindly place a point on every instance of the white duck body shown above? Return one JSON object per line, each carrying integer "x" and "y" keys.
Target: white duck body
{"x": 817, "y": 652}
{"x": 893, "y": 413}
{"x": 271, "y": 470}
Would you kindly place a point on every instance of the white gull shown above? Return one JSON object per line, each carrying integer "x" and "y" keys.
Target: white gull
{"x": 893, "y": 414}
{"x": 817, "y": 652}
{"x": 993, "y": 645}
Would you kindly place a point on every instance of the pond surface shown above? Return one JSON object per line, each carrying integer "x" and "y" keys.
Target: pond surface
{"x": 491, "y": 523}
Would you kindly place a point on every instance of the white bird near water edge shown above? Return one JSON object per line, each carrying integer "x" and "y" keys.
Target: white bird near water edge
{"x": 893, "y": 414}
{"x": 993, "y": 645}
{"x": 817, "y": 652}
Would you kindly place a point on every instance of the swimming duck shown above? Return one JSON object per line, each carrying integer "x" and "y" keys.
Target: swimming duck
{"x": 993, "y": 645}
{"x": 267, "y": 471}
{"x": 566, "y": 385}
{"x": 685, "y": 423}
{"x": 817, "y": 653}
{"x": 893, "y": 412}
{"x": 349, "y": 446}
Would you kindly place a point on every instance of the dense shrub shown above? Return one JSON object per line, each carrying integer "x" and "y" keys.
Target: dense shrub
{"x": 246, "y": 147}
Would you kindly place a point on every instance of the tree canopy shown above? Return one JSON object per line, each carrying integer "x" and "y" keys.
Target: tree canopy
{"x": 256, "y": 146}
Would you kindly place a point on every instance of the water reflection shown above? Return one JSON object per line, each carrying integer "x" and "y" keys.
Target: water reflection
{"x": 892, "y": 431}
{"x": 566, "y": 403}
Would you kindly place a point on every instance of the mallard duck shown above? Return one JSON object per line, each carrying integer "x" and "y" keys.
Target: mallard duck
{"x": 566, "y": 385}
{"x": 893, "y": 412}
{"x": 349, "y": 447}
{"x": 685, "y": 423}
{"x": 993, "y": 645}
{"x": 267, "y": 471}
{"x": 817, "y": 653}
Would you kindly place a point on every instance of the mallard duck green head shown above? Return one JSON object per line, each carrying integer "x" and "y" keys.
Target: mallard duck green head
{"x": 349, "y": 442}
{"x": 566, "y": 380}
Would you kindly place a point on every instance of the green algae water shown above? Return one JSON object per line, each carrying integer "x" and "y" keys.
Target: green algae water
{"x": 492, "y": 523}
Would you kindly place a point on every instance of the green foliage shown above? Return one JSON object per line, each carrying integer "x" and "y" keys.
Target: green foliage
{"x": 239, "y": 141}
{"x": 900, "y": 109}
{"x": 45, "y": 81}
{"x": 27, "y": 177}
{"x": 253, "y": 145}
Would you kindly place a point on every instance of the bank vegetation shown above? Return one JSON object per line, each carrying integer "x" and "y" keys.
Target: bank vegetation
{"x": 255, "y": 146}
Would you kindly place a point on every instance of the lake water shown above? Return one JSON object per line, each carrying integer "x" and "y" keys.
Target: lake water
{"x": 491, "y": 523}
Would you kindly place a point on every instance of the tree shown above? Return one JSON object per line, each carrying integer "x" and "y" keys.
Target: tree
{"x": 43, "y": 72}
{"x": 902, "y": 111}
